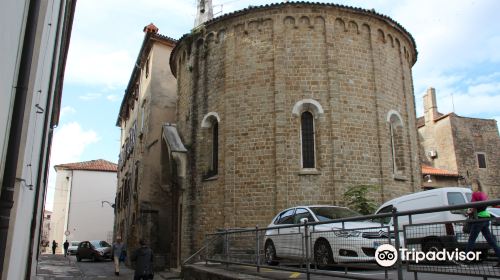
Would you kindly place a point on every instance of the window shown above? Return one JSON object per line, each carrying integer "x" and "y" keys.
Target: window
{"x": 214, "y": 156}
{"x": 481, "y": 160}
{"x": 285, "y": 217}
{"x": 455, "y": 198}
{"x": 309, "y": 110}
{"x": 211, "y": 122}
{"x": 307, "y": 129}
{"x": 147, "y": 68}
{"x": 397, "y": 143}
{"x": 302, "y": 213}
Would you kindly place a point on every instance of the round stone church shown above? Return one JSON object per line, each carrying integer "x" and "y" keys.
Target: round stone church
{"x": 292, "y": 104}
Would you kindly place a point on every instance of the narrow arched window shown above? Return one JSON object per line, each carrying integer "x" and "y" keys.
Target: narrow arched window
{"x": 215, "y": 149}
{"x": 397, "y": 144}
{"x": 211, "y": 147}
{"x": 307, "y": 130}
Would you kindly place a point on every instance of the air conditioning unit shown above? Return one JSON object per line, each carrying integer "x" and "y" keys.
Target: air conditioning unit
{"x": 432, "y": 154}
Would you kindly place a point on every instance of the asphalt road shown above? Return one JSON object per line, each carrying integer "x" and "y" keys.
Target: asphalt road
{"x": 102, "y": 269}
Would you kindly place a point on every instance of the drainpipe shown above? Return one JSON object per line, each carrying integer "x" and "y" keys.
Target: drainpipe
{"x": 15, "y": 133}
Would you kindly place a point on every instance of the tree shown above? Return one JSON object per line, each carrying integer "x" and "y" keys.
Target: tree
{"x": 356, "y": 198}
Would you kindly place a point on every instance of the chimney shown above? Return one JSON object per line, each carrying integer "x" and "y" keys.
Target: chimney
{"x": 150, "y": 28}
{"x": 430, "y": 106}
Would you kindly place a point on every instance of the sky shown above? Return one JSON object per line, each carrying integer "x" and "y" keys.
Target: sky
{"x": 458, "y": 44}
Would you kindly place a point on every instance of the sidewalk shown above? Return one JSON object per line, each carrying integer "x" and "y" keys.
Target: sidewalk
{"x": 58, "y": 267}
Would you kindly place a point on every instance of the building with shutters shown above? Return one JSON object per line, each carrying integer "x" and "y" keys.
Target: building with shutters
{"x": 143, "y": 200}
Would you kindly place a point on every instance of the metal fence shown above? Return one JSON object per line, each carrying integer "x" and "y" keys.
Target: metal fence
{"x": 315, "y": 249}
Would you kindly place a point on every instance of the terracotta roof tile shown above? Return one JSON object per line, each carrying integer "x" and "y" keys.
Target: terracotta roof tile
{"x": 429, "y": 170}
{"x": 93, "y": 165}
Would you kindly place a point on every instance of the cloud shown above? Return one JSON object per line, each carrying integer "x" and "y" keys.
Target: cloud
{"x": 113, "y": 97}
{"x": 69, "y": 144}
{"x": 67, "y": 110}
{"x": 90, "y": 96}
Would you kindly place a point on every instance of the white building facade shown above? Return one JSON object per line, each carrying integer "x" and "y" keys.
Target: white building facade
{"x": 83, "y": 202}
{"x": 34, "y": 43}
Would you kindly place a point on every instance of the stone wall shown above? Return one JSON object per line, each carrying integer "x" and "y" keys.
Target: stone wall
{"x": 473, "y": 136}
{"x": 253, "y": 69}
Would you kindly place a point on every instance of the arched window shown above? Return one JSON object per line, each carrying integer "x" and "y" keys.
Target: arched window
{"x": 397, "y": 143}
{"x": 309, "y": 110}
{"x": 307, "y": 133}
{"x": 211, "y": 122}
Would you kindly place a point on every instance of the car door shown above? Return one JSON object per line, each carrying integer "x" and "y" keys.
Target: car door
{"x": 298, "y": 233}
{"x": 284, "y": 236}
{"x": 84, "y": 250}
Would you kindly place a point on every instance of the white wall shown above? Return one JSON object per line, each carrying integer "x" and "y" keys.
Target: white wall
{"x": 61, "y": 204}
{"x": 32, "y": 150}
{"x": 89, "y": 218}
{"x": 12, "y": 18}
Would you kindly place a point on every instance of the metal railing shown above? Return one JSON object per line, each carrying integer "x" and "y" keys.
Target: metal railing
{"x": 312, "y": 250}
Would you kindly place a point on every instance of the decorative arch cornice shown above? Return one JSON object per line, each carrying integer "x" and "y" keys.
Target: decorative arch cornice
{"x": 207, "y": 121}
{"x": 308, "y": 105}
{"x": 394, "y": 112}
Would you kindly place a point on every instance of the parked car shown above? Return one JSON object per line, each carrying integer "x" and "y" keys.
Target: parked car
{"x": 73, "y": 247}
{"x": 330, "y": 243}
{"x": 437, "y": 230}
{"x": 95, "y": 250}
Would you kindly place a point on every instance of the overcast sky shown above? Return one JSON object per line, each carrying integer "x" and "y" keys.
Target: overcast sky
{"x": 458, "y": 44}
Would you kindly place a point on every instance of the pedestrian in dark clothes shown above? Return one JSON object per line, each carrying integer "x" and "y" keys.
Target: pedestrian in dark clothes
{"x": 54, "y": 246}
{"x": 143, "y": 258}
{"x": 66, "y": 246}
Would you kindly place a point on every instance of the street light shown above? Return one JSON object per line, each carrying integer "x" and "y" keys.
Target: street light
{"x": 109, "y": 203}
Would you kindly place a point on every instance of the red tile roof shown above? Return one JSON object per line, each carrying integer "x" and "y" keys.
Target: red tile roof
{"x": 429, "y": 170}
{"x": 93, "y": 165}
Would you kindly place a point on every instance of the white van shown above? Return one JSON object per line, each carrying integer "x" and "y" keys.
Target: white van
{"x": 428, "y": 199}
{"x": 431, "y": 231}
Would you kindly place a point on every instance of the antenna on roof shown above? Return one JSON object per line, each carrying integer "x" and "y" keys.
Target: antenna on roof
{"x": 452, "y": 103}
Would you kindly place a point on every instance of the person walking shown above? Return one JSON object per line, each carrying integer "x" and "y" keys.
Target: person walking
{"x": 54, "y": 246}
{"x": 481, "y": 226}
{"x": 118, "y": 253}
{"x": 66, "y": 246}
{"x": 143, "y": 258}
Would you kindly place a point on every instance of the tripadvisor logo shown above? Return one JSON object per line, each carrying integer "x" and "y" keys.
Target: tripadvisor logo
{"x": 386, "y": 255}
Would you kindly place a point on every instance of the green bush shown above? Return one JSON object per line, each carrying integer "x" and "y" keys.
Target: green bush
{"x": 357, "y": 199}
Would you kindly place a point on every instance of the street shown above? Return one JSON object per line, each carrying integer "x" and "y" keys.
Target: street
{"x": 57, "y": 266}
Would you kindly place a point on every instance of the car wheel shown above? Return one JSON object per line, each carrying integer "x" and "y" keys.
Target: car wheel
{"x": 323, "y": 253}
{"x": 270, "y": 253}
{"x": 93, "y": 259}
{"x": 432, "y": 245}
{"x": 78, "y": 259}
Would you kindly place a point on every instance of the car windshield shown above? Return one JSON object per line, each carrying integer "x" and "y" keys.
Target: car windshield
{"x": 75, "y": 243}
{"x": 100, "y": 243}
{"x": 332, "y": 213}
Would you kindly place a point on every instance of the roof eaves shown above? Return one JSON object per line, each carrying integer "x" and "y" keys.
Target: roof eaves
{"x": 387, "y": 19}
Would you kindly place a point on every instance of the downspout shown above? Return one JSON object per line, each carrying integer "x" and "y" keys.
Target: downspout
{"x": 16, "y": 129}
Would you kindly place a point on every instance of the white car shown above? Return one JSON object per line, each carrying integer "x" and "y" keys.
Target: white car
{"x": 329, "y": 243}
{"x": 73, "y": 246}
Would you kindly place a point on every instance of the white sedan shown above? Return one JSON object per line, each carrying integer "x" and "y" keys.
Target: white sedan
{"x": 330, "y": 243}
